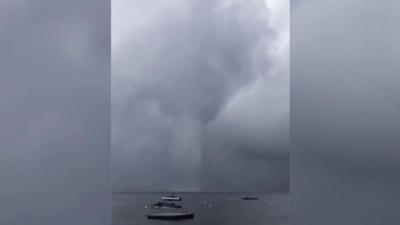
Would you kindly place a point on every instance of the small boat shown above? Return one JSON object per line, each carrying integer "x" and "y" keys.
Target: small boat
{"x": 172, "y": 197}
{"x": 166, "y": 205}
{"x": 249, "y": 198}
{"x": 171, "y": 215}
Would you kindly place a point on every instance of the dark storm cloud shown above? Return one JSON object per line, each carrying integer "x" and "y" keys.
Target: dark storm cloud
{"x": 54, "y": 135}
{"x": 181, "y": 70}
{"x": 345, "y": 112}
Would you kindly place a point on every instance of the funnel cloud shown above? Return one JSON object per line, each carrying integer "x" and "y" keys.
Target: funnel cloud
{"x": 198, "y": 89}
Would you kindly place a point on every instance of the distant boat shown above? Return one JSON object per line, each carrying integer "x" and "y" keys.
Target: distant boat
{"x": 171, "y": 215}
{"x": 166, "y": 205}
{"x": 249, "y": 198}
{"x": 172, "y": 197}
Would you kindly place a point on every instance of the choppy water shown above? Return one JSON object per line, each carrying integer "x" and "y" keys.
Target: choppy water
{"x": 209, "y": 209}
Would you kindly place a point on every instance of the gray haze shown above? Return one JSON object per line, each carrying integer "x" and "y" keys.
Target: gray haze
{"x": 199, "y": 96}
{"x": 345, "y": 112}
{"x": 54, "y": 112}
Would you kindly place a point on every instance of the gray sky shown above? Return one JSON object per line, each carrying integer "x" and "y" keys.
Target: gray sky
{"x": 200, "y": 95}
{"x": 345, "y": 107}
{"x": 54, "y": 112}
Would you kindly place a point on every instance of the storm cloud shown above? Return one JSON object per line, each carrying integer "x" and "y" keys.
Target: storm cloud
{"x": 185, "y": 74}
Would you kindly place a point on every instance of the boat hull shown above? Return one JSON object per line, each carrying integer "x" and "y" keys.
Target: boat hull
{"x": 171, "y": 216}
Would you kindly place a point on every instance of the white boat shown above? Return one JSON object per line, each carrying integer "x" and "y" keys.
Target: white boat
{"x": 171, "y": 198}
{"x": 159, "y": 205}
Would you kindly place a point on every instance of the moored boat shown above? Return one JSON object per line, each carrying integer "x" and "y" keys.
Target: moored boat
{"x": 249, "y": 198}
{"x": 166, "y": 205}
{"x": 172, "y": 197}
{"x": 171, "y": 215}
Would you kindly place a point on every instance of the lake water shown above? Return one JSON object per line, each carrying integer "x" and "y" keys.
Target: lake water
{"x": 209, "y": 209}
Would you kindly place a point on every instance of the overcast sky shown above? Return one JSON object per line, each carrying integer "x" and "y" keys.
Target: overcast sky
{"x": 200, "y": 95}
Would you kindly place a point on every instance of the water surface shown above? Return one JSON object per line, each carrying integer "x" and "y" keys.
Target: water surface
{"x": 209, "y": 209}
